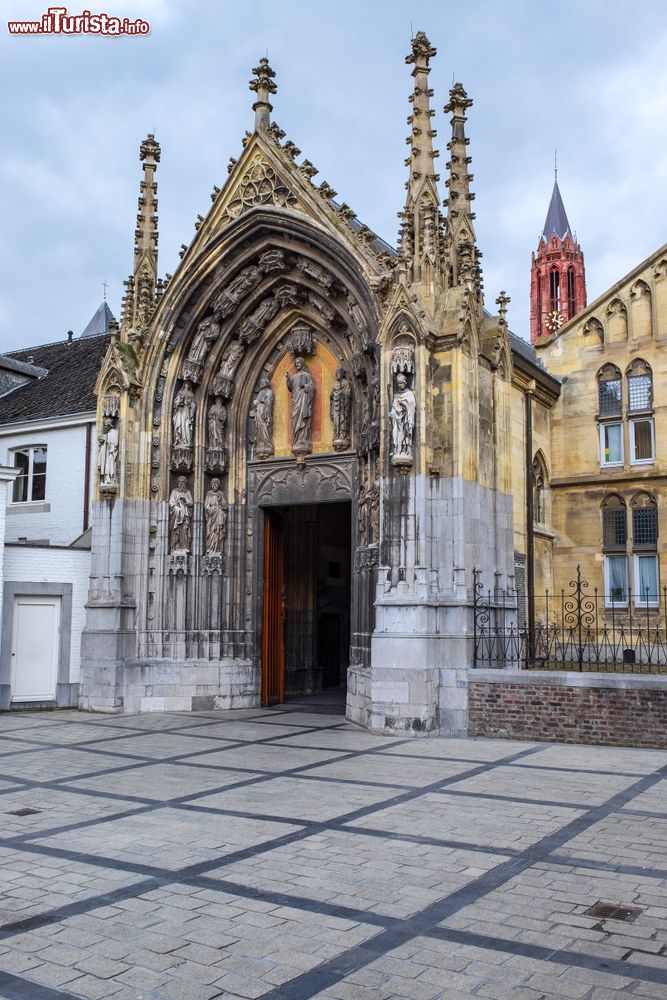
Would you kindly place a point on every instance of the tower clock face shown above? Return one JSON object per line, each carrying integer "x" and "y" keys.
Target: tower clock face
{"x": 554, "y": 321}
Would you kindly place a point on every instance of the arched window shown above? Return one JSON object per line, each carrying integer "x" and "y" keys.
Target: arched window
{"x": 571, "y": 297}
{"x": 644, "y": 544}
{"x": 554, "y": 290}
{"x": 614, "y": 523}
{"x": 540, "y": 317}
{"x": 640, "y": 407}
{"x": 540, "y": 489}
{"x": 640, "y": 386}
{"x": 610, "y": 408}
{"x": 614, "y": 543}
{"x": 609, "y": 391}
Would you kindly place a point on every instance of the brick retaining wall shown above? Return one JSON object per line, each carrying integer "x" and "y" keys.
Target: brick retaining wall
{"x": 613, "y": 709}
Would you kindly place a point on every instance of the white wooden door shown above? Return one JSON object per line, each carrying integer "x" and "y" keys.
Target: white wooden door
{"x": 35, "y": 648}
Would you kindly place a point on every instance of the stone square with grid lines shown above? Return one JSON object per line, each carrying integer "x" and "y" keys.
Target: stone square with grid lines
{"x": 285, "y": 853}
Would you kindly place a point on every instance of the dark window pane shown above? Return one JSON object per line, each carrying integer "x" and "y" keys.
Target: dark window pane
{"x": 645, "y": 526}
{"x": 639, "y": 392}
{"x": 610, "y": 397}
{"x": 643, "y": 440}
{"x": 614, "y": 527}
{"x": 39, "y": 460}
{"x": 22, "y": 462}
{"x": 38, "y": 487}
{"x": 20, "y": 491}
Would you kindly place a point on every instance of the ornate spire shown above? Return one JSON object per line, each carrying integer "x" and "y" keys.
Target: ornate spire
{"x": 263, "y": 85}
{"x": 421, "y": 222}
{"x": 142, "y": 287}
{"x": 462, "y": 254}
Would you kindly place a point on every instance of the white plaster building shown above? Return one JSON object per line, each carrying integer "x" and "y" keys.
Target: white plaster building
{"x": 48, "y": 451}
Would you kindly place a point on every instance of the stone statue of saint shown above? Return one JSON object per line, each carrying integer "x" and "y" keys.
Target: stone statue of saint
{"x": 215, "y": 512}
{"x": 263, "y": 410}
{"x": 207, "y": 331}
{"x": 107, "y": 453}
{"x": 340, "y": 408}
{"x": 302, "y": 387}
{"x": 216, "y": 420}
{"x": 403, "y": 409}
{"x": 183, "y": 418}
{"x": 180, "y": 516}
{"x": 223, "y": 382}
{"x": 243, "y": 283}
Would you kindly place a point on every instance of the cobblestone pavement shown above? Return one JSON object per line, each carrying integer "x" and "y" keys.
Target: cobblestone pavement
{"x": 284, "y": 853}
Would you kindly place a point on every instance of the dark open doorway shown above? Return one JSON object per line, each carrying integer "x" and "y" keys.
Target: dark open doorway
{"x": 306, "y": 599}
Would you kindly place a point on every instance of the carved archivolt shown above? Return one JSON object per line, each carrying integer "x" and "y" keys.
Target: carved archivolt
{"x": 260, "y": 185}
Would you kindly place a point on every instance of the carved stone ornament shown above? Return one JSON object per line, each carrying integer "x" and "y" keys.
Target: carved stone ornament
{"x": 213, "y": 563}
{"x": 302, "y": 388}
{"x": 111, "y": 402}
{"x": 309, "y": 269}
{"x": 216, "y": 460}
{"x": 272, "y": 261}
{"x": 107, "y": 457}
{"x": 223, "y": 383}
{"x": 326, "y": 311}
{"x": 402, "y": 415}
{"x": 301, "y": 339}
{"x": 179, "y": 564}
{"x": 367, "y": 558}
{"x": 340, "y": 411}
{"x": 180, "y": 517}
{"x": 403, "y": 358}
{"x": 259, "y": 186}
{"x": 183, "y": 420}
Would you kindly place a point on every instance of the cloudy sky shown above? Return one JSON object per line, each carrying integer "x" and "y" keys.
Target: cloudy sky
{"x": 586, "y": 76}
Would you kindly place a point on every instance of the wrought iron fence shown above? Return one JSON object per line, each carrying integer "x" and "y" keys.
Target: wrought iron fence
{"x": 577, "y": 629}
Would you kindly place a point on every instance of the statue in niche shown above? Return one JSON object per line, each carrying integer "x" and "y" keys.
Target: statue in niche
{"x": 362, "y": 516}
{"x": 302, "y": 387}
{"x": 244, "y": 282}
{"x": 223, "y": 383}
{"x": 183, "y": 422}
{"x": 107, "y": 455}
{"x": 340, "y": 408}
{"x": 402, "y": 414}
{"x": 252, "y": 325}
{"x": 207, "y": 331}
{"x": 374, "y": 514}
{"x": 180, "y": 516}
{"x": 215, "y": 512}
{"x": 216, "y": 420}
{"x": 216, "y": 453}
{"x": 263, "y": 413}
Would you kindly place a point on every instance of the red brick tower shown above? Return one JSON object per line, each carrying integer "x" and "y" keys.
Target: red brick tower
{"x": 557, "y": 277}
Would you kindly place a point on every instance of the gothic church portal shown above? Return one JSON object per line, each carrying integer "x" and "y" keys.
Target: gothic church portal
{"x": 305, "y": 441}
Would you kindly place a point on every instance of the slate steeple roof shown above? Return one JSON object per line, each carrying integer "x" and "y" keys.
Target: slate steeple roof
{"x": 556, "y": 221}
{"x": 99, "y": 323}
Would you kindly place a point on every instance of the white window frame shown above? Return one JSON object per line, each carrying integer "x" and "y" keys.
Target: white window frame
{"x": 641, "y": 461}
{"x": 31, "y": 449}
{"x": 603, "y": 427}
{"x": 607, "y": 582}
{"x": 640, "y": 600}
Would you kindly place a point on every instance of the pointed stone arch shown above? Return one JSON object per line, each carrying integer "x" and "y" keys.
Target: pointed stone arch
{"x": 641, "y": 310}
{"x": 594, "y": 330}
{"x": 617, "y": 321}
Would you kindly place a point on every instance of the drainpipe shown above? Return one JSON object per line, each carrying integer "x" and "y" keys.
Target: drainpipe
{"x": 530, "y": 537}
{"x": 86, "y": 483}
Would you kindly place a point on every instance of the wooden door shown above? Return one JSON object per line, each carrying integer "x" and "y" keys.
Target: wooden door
{"x": 35, "y": 648}
{"x": 273, "y": 632}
